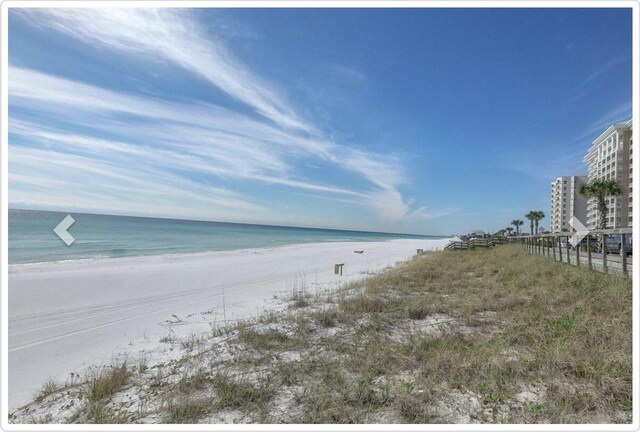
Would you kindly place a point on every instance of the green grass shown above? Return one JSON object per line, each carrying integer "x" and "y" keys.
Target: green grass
{"x": 104, "y": 382}
{"x": 50, "y": 386}
{"x": 241, "y": 392}
{"x": 186, "y": 410}
{"x": 261, "y": 340}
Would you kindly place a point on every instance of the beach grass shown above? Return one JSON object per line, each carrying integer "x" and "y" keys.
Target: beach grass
{"x": 483, "y": 336}
{"x": 49, "y": 387}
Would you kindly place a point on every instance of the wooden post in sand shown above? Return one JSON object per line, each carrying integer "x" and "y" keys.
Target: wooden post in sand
{"x": 419, "y": 251}
{"x": 603, "y": 240}
{"x": 623, "y": 252}
{"x": 589, "y": 252}
{"x": 560, "y": 248}
{"x": 337, "y": 269}
{"x": 549, "y": 246}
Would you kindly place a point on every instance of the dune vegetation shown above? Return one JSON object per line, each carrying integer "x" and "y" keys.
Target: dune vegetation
{"x": 478, "y": 336}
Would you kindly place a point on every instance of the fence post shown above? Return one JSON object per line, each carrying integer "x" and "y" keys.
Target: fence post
{"x": 568, "y": 251}
{"x": 623, "y": 252}
{"x": 560, "y": 247}
{"x": 603, "y": 238}
{"x": 553, "y": 247}
{"x": 547, "y": 246}
{"x": 589, "y": 251}
{"x": 578, "y": 255}
{"x": 544, "y": 246}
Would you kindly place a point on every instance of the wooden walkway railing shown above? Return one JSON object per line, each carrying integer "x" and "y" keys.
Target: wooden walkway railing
{"x": 596, "y": 251}
{"x": 473, "y": 243}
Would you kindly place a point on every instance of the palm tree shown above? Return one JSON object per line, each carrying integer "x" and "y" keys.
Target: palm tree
{"x": 517, "y": 223}
{"x": 509, "y": 230}
{"x": 600, "y": 190}
{"x": 531, "y": 216}
{"x": 539, "y": 215}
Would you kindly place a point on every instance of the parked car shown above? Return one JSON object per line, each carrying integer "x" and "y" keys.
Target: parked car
{"x": 613, "y": 244}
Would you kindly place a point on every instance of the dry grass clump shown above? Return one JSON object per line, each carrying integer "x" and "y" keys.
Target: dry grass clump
{"x": 327, "y": 317}
{"x": 49, "y": 387}
{"x": 200, "y": 393}
{"x": 190, "y": 383}
{"x": 99, "y": 413}
{"x": 104, "y": 382}
{"x": 300, "y": 299}
{"x": 241, "y": 392}
{"x": 262, "y": 340}
{"x": 96, "y": 391}
{"x": 418, "y": 410}
{"x": 186, "y": 410}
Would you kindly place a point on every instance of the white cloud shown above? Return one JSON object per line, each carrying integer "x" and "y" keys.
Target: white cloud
{"x": 425, "y": 214}
{"x": 348, "y": 73}
{"x": 50, "y": 170}
{"x": 603, "y": 68}
{"x": 169, "y": 34}
{"x": 192, "y": 136}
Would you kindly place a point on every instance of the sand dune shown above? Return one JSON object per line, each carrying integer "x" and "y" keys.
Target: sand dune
{"x": 67, "y": 315}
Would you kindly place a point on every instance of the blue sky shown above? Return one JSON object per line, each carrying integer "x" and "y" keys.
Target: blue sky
{"x": 431, "y": 121}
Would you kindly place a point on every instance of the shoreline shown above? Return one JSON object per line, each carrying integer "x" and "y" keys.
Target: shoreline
{"x": 69, "y": 314}
{"x": 160, "y": 256}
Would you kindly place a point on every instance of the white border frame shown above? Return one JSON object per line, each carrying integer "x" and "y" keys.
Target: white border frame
{"x": 401, "y": 4}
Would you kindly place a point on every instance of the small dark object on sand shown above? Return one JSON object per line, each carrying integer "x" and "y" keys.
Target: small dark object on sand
{"x": 358, "y": 251}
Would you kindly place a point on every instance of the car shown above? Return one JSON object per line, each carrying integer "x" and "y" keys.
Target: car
{"x": 613, "y": 244}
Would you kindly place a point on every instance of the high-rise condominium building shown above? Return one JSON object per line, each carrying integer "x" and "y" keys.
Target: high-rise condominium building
{"x": 610, "y": 157}
{"x": 567, "y": 202}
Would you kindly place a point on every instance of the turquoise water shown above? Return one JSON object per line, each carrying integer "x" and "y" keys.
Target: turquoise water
{"x": 31, "y": 237}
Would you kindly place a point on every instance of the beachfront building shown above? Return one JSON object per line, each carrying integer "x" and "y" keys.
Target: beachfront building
{"x": 610, "y": 157}
{"x": 566, "y": 202}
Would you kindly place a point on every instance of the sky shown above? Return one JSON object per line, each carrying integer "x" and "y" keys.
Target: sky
{"x": 429, "y": 121}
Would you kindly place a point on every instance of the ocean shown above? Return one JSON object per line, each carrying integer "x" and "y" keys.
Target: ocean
{"x": 32, "y": 240}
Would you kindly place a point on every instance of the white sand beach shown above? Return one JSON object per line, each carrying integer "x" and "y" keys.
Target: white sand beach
{"x": 65, "y": 316}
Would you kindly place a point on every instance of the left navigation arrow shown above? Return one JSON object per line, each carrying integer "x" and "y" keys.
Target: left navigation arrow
{"x": 61, "y": 230}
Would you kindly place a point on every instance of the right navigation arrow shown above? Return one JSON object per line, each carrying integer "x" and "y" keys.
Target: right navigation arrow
{"x": 581, "y": 231}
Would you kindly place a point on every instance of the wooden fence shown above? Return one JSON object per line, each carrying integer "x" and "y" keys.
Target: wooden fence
{"x": 474, "y": 243}
{"x": 594, "y": 252}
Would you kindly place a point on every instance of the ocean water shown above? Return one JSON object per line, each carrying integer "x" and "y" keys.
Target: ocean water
{"x": 31, "y": 236}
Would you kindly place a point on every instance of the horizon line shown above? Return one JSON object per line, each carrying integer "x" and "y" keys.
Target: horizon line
{"x": 228, "y": 222}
